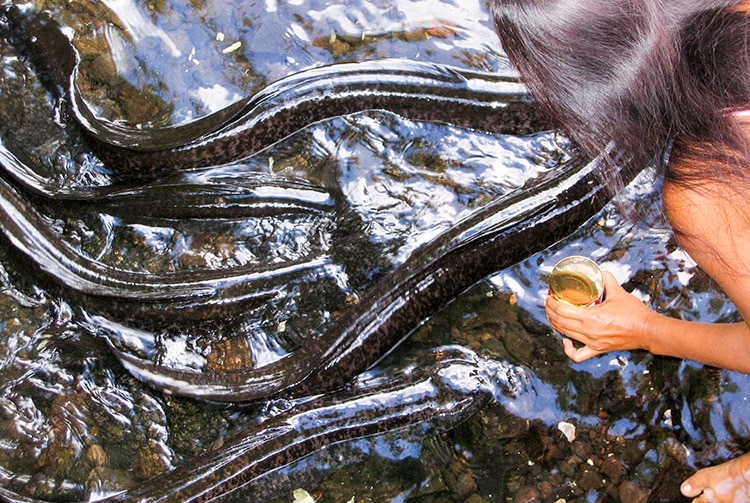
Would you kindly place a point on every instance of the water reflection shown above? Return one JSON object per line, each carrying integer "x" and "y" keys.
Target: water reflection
{"x": 75, "y": 423}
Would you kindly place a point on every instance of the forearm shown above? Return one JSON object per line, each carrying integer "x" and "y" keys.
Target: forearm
{"x": 725, "y": 345}
{"x": 623, "y": 322}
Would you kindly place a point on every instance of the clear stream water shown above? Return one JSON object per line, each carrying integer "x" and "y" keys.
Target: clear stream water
{"x": 74, "y": 424}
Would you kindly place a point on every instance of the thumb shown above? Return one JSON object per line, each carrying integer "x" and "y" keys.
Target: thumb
{"x": 688, "y": 491}
{"x": 611, "y": 285}
{"x": 693, "y": 486}
{"x": 610, "y": 282}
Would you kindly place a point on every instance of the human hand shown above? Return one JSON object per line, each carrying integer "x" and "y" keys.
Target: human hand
{"x": 727, "y": 482}
{"x": 618, "y": 323}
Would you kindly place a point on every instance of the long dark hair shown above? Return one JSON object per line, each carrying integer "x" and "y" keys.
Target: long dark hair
{"x": 642, "y": 75}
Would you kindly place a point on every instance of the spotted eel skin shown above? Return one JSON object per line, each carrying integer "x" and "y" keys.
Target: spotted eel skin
{"x": 419, "y": 91}
{"x": 495, "y": 237}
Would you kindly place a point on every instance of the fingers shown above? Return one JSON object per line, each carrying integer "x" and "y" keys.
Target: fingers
{"x": 578, "y": 355}
{"x": 567, "y": 320}
{"x": 697, "y": 495}
{"x": 728, "y": 481}
{"x": 698, "y": 485}
{"x": 688, "y": 490}
{"x": 560, "y": 310}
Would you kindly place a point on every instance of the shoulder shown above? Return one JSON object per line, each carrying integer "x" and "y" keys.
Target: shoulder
{"x": 712, "y": 223}
{"x": 711, "y": 215}
{"x": 707, "y": 191}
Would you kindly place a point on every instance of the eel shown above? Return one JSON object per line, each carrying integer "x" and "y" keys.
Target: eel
{"x": 495, "y": 237}
{"x": 502, "y": 233}
{"x": 425, "y": 401}
{"x": 191, "y": 294}
{"x": 415, "y": 90}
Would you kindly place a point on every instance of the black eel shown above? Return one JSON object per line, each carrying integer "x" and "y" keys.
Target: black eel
{"x": 495, "y": 237}
{"x": 191, "y": 294}
{"x": 426, "y": 400}
{"x": 413, "y": 90}
{"x": 419, "y": 91}
{"x": 503, "y": 233}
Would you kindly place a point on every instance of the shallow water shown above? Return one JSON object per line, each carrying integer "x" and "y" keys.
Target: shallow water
{"x": 74, "y": 423}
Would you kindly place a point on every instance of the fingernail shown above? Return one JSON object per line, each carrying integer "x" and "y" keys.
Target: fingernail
{"x": 686, "y": 489}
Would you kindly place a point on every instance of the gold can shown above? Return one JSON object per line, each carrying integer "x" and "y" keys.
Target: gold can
{"x": 577, "y": 281}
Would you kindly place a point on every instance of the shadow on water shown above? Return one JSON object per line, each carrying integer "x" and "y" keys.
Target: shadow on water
{"x": 622, "y": 427}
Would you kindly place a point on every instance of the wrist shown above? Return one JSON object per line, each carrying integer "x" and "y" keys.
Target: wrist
{"x": 648, "y": 329}
{"x": 662, "y": 334}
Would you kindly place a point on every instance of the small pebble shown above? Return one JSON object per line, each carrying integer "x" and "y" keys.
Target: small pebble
{"x": 630, "y": 492}
{"x": 527, "y": 494}
{"x": 302, "y": 496}
{"x": 567, "y": 429}
{"x": 613, "y": 469}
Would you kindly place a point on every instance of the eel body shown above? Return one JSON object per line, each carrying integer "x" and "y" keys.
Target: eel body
{"x": 419, "y": 91}
{"x": 425, "y": 401}
{"x": 502, "y": 233}
{"x": 497, "y": 236}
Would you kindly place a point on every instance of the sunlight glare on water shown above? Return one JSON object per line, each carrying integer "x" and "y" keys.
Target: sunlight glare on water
{"x": 192, "y": 60}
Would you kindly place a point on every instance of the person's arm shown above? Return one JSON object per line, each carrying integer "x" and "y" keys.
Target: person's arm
{"x": 724, "y": 345}
{"x": 714, "y": 227}
{"x": 623, "y": 322}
